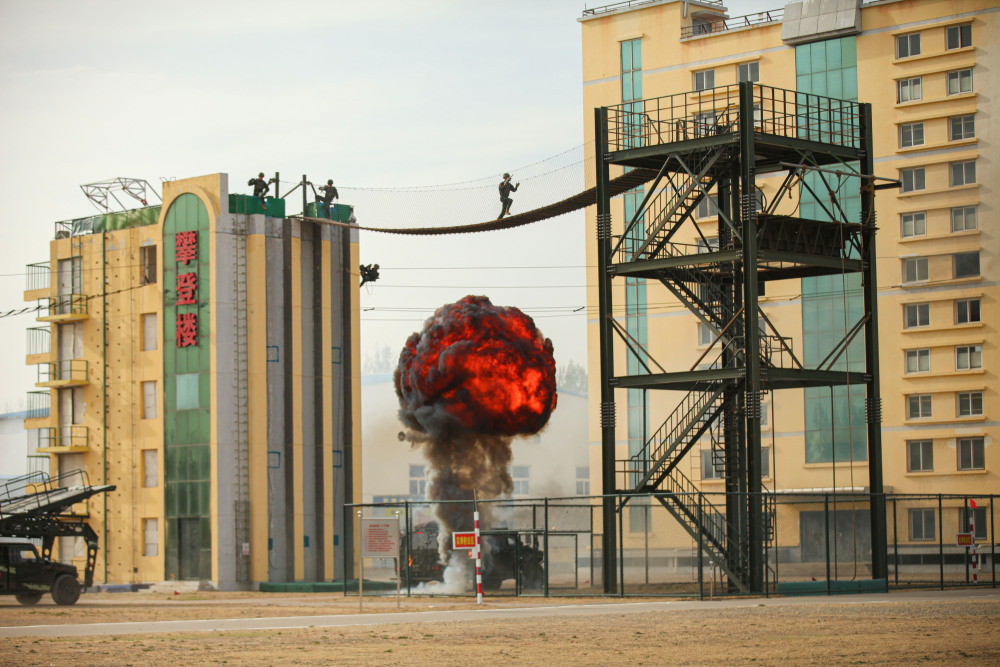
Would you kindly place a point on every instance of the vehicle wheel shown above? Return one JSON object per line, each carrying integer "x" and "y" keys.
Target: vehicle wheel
{"x": 28, "y": 599}
{"x": 66, "y": 590}
{"x": 532, "y": 577}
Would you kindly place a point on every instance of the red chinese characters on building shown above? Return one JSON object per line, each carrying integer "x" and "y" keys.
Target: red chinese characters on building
{"x": 186, "y": 247}
{"x": 185, "y": 250}
{"x": 187, "y": 329}
{"x": 187, "y": 289}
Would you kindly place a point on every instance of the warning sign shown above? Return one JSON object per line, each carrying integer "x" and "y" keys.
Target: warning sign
{"x": 379, "y": 538}
{"x": 463, "y": 540}
{"x": 965, "y": 539}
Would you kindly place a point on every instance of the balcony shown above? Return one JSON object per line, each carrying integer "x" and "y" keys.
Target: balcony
{"x": 39, "y": 408}
{"x": 39, "y": 345}
{"x": 63, "y": 308}
{"x": 38, "y": 281}
{"x": 63, "y": 373}
{"x": 68, "y": 439}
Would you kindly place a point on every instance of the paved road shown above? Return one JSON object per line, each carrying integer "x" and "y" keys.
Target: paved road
{"x": 594, "y": 609}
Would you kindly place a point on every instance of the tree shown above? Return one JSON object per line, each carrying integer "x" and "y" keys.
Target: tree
{"x": 381, "y": 362}
{"x": 572, "y": 378}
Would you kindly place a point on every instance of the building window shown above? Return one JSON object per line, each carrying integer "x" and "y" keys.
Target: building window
{"x": 980, "y": 521}
{"x": 919, "y": 455}
{"x": 704, "y": 124}
{"x": 582, "y": 481}
{"x": 962, "y": 127}
{"x": 908, "y": 90}
{"x": 960, "y": 81}
{"x": 148, "y": 332}
{"x": 913, "y": 224}
{"x": 149, "y": 400}
{"x": 147, "y": 264}
{"x": 908, "y": 45}
{"x": 971, "y": 454}
{"x": 967, "y": 311}
{"x": 913, "y": 179}
{"x": 765, "y": 415}
{"x": 963, "y": 218}
{"x": 705, "y": 334}
{"x": 520, "y": 475}
{"x": 966, "y": 264}
{"x": 916, "y": 315}
{"x": 151, "y": 537}
{"x": 958, "y": 36}
{"x": 918, "y": 361}
{"x": 708, "y": 207}
{"x": 418, "y": 481}
{"x": 701, "y": 26}
{"x": 704, "y": 79}
{"x": 914, "y": 269}
{"x": 963, "y": 173}
{"x": 968, "y": 357}
{"x": 708, "y": 244}
{"x": 918, "y": 406}
{"x": 765, "y": 462}
{"x": 922, "y": 524}
{"x": 970, "y": 403}
{"x": 711, "y": 464}
{"x": 631, "y": 70}
{"x": 911, "y": 134}
{"x": 748, "y": 72}
{"x": 150, "y": 468}
{"x": 188, "y": 391}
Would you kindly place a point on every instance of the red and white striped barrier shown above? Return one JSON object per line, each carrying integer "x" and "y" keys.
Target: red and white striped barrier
{"x": 479, "y": 562}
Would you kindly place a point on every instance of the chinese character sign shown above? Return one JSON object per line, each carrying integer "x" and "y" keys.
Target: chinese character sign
{"x": 187, "y": 329}
{"x": 185, "y": 250}
{"x": 186, "y": 247}
{"x": 187, "y": 289}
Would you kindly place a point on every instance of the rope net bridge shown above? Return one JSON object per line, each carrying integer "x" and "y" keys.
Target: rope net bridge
{"x": 552, "y": 187}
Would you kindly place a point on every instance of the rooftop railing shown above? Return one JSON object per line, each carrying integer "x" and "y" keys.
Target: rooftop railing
{"x": 715, "y": 111}
{"x": 712, "y": 27}
{"x": 632, "y": 4}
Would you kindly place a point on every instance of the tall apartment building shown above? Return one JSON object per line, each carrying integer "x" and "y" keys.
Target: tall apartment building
{"x": 202, "y": 357}
{"x": 928, "y": 68}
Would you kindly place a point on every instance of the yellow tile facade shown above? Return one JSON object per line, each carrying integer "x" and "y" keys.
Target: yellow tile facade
{"x": 670, "y": 64}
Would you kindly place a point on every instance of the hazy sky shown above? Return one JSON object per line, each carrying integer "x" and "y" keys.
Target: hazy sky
{"x": 385, "y": 94}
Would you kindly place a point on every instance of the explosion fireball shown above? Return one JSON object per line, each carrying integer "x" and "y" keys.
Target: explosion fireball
{"x": 475, "y": 377}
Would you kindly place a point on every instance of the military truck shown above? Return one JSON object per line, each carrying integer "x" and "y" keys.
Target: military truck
{"x": 506, "y": 555}
{"x": 35, "y": 508}
{"x": 27, "y": 576}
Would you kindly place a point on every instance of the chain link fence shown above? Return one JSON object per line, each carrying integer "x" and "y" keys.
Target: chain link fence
{"x": 689, "y": 544}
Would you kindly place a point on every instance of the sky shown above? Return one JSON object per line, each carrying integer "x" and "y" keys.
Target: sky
{"x": 392, "y": 99}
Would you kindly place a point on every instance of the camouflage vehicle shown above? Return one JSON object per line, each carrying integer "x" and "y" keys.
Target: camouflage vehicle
{"x": 27, "y": 576}
{"x": 506, "y": 555}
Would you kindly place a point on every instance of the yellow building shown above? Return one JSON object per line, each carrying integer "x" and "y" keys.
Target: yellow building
{"x": 926, "y": 67}
{"x": 202, "y": 357}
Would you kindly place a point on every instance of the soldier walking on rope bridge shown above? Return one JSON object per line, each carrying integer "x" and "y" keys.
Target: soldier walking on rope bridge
{"x": 505, "y": 189}
{"x": 260, "y": 187}
{"x": 329, "y": 193}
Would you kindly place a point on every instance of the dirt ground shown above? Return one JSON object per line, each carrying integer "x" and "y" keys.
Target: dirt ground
{"x": 939, "y": 632}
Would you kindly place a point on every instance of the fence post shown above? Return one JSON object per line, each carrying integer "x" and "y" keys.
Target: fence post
{"x": 826, "y": 538}
{"x": 621, "y": 548}
{"x": 941, "y": 538}
{"x": 545, "y": 545}
{"x": 895, "y": 542}
{"x": 409, "y": 549}
{"x": 701, "y": 545}
{"x": 993, "y": 546}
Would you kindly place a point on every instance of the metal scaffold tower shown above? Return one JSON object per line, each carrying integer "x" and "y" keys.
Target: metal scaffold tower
{"x": 686, "y": 145}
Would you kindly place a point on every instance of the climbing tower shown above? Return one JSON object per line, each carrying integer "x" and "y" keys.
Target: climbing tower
{"x": 684, "y": 145}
